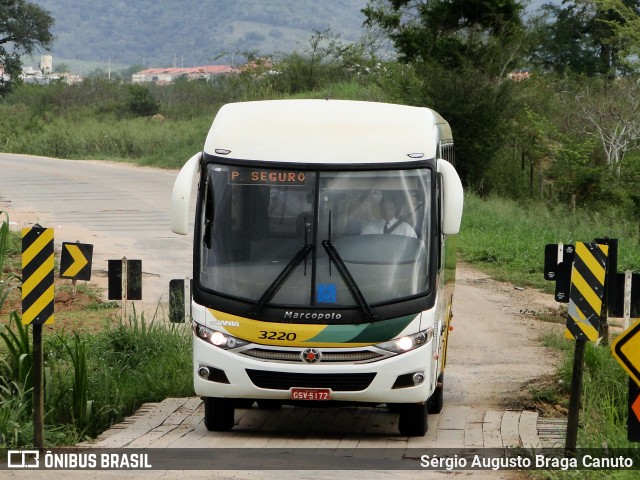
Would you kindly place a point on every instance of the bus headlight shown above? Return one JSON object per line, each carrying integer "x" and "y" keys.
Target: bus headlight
{"x": 219, "y": 339}
{"x": 408, "y": 342}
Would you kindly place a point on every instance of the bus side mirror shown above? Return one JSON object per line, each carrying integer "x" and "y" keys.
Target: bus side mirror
{"x": 181, "y": 195}
{"x": 453, "y": 198}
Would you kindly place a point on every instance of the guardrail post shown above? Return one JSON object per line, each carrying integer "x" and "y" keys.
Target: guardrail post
{"x": 574, "y": 399}
{"x": 187, "y": 300}
{"x": 626, "y": 322}
{"x": 124, "y": 289}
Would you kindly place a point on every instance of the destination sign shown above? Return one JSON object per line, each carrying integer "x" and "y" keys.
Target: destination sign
{"x": 267, "y": 177}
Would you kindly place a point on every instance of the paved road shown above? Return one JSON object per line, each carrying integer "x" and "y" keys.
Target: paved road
{"x": 121, "y": 209}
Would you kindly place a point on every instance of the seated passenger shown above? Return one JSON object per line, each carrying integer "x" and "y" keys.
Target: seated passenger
{"x": 389, "y": 223}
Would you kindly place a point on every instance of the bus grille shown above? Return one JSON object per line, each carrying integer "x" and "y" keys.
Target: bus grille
{"x": 338, "y": 382}
{"x": 289, "y": 356}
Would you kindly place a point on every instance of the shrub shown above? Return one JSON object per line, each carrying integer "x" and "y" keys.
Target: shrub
{"x": 140, "y": 101}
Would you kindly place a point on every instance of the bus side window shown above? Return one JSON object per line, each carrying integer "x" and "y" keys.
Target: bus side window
{"x": 208, "y": 215}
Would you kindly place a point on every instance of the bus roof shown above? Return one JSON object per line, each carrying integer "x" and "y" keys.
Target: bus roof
{"x": 326, "y": 132}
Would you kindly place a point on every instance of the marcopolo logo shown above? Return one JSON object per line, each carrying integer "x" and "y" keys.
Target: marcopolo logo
{"x": 312, "y": 315}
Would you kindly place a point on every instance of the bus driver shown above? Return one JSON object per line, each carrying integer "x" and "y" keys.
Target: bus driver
{"x": 389, "y": 223}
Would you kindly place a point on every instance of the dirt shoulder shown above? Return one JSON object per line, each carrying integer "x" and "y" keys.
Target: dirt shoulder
{"x": 496, "y": 353}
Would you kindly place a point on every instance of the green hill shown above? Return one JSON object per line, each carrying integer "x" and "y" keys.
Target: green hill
{"x": 193, "y": 32}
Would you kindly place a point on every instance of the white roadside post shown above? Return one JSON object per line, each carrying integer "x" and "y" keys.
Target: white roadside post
{"x": 124, "y": 289}
{"x": 187, "y": 300}
{"x": 627, "y": 300}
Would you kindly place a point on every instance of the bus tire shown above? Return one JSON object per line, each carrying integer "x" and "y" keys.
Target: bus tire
{"x": 436, "y": 401}
{"x": 219, "y": 414}
{"x": 394, "y": 407}
{"x": 413, "y": 419}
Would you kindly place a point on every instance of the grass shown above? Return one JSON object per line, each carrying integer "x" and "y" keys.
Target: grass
{"x": 162, "y": 143}
{"x": 603, "y": 414}
{"x": 93, "y": 120}
{"x": 507, "y": 239}
{"x": 94, "y": 379}
{"x": 96, "y": 371}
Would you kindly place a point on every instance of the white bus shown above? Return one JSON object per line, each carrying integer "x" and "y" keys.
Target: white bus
{"x": 323, "y": 265}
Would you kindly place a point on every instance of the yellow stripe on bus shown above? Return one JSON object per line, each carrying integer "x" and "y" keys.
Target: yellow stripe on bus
{"x": 281, "y": 334}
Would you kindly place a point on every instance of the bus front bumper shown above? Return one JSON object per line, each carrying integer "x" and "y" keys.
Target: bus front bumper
{"x": 405, "y": 378}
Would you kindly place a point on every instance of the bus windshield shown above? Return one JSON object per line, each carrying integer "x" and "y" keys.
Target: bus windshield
{"x": 339, "y": 239}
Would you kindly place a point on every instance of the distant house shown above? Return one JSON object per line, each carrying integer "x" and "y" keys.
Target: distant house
{"x": 520, "y": 74}
{"x": 30, "y": 74}
{"x": 43, "y": 74}
{"x": 168, "y": 75}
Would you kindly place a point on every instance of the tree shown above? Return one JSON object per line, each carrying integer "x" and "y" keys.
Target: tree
{"x": 141, "y": 102}
{"x": 458, "y": 54}
{"x": 624, "y": 21}
{"x": 451, "y": 33}
{"x": 24, "y": 27}
{"x": 610, "y": 112}
{"x": 590, "y": 37}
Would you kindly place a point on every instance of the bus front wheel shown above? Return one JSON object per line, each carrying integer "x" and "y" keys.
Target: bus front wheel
{"x": 219, "y": 414}
{"x": 413, "y": 420}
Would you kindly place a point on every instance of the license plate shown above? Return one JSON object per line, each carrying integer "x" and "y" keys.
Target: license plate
{"x": 310, "y": 394}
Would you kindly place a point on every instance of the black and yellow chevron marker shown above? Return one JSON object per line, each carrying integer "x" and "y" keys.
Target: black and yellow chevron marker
{"x": 75, "y": 260}
{"x": 37, "y": 275}
{"x": 587, "y": 291}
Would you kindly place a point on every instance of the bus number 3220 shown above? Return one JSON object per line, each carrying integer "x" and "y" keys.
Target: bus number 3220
{"x": 288, "y": 336}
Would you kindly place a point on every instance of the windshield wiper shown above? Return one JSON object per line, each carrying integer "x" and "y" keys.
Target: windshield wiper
{"x": 348, "y": 279}
{"x": 346, "y": 276}
{"x": 280, "y": 279}
{"x": 284, "y": 274}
